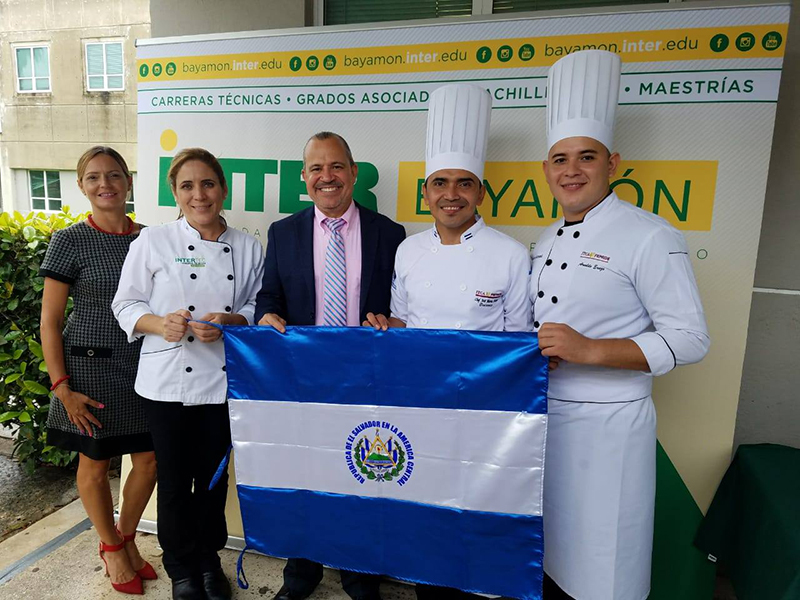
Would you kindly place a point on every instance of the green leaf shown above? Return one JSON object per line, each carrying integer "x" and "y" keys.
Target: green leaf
{"x": 17, "y": 353}
{"x": 35, "y": 348}
{"x": 43, "y": 367}
{"x": 7, "y": 416}
{"x": 24, "y": 417}
{"x": 4, "y": 356}
{"x": 36, "y": 388}
{"x": 13, "y": 377}
{"x": 23, "y": 366}
{"x": 29, "y": 233}
{"x": 12, "y": 304}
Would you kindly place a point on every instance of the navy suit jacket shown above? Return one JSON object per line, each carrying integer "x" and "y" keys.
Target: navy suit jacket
{"x": 287, "y": 288}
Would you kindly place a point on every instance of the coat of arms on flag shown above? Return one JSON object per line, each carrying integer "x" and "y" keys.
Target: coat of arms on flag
{"x": 430, "y": 440}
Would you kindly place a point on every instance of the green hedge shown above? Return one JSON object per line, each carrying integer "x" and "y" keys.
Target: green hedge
{"x": 24, "y": 383}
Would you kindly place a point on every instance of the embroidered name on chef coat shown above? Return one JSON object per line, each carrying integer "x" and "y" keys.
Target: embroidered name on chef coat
{"x": 595, "y": 256}
{"x": 487, "y": 299}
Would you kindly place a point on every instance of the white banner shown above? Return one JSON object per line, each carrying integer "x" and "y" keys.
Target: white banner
{"x": 698, "y": 94}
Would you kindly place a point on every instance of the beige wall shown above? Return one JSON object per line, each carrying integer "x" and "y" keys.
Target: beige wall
{"x": 50, "y": 130}
{"x": 192, "y": 17}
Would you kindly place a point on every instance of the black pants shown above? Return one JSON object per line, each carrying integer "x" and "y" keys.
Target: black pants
{"x": 435, "y": 592}
{"x": 303, "y": 576}
{"x": 190, "y": 442}
{"x": 551, "y": 591}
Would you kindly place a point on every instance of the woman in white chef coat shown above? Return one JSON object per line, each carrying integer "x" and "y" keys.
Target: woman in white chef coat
{"x": 614, "y": 303}
{"x": 175, "y": 275}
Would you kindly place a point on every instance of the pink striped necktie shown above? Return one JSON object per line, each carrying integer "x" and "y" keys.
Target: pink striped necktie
{"x": 334, "y": 293}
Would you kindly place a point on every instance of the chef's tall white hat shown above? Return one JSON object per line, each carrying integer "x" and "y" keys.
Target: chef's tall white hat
{"x": 458, "y": 128}
{"x": 582, "y": 96}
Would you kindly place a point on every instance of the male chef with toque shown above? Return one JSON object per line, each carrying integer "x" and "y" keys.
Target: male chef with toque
{"x": 460, "y": 273}
{"x": 615, "y": 303}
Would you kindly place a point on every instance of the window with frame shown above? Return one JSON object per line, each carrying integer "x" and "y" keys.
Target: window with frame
{"x": 33, "y": 69}
{"x": 129, "y": 203}
{"x": 45, "y": 190}
{"x": 337, "y": 12}
{"x": 506, "y": 6}
{"x": 104, "y": 67}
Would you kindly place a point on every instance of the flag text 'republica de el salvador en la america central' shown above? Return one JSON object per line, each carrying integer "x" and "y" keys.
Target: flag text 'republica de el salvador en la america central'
{"x": 412, "y": 453}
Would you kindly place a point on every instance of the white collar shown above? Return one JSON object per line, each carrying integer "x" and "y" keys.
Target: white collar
{"x": 467, "y": 235}
{"x": 192, "y": 232}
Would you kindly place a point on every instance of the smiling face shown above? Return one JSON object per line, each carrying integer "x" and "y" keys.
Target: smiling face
{"x": 329, "y": 176}
{"x": 452, "y": 196}
{"x": 578, "y": 171}
{"x": 199, "y": 194}
{"x": 105, "y": 184}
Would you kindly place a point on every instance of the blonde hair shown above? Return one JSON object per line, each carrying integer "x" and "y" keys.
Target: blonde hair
{"x": 87, "y": 156}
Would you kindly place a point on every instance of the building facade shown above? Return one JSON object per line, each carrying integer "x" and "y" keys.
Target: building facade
{"x": 67, "y": 82}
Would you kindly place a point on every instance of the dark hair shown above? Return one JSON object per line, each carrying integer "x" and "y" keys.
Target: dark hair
{"x": 201, "y": 154}
{"x": 327, "y": 135}
{"x": 87, "y": 156}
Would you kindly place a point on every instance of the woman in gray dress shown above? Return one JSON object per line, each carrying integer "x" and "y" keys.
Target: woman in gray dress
{"x": 94, "y": 409}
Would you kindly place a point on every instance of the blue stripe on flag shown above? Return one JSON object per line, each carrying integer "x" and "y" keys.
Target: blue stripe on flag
{"x": 474, "y": 551}
{"x": 358, "y": 365}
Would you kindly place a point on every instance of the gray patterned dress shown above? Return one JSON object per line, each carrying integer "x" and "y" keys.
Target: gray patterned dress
{"x": 98, "y": 358}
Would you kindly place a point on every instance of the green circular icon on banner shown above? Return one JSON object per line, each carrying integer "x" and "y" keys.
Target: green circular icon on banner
{"x": 772, "y": 41}
{"x": 171, "y": 69}
{"x": 504, "y": 53}
{"x": 526, "y": 52}
{"x": 745, "y": 42}
{"x": 719, "y": 42}
{"x": 312, "y": 62}
{"x": 295, "y": 63}
{"x": 484, "y": 54}
{"x": 144, "y": 70}
{"x": 329, "y": 62}
{"x": 157, "y": 69}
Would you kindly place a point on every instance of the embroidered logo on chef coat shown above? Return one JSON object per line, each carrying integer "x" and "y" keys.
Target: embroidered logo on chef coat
{"x": 595, "y": 256}
{"x": 194, "y": 261}
{"x": 487, "y": 299}
{"x": 385, "y": 456}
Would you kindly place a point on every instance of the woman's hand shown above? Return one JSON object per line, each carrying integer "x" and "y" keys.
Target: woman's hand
{"x": 174, "y": 325}
{"x": 77, "y": 411}
{"x": 209, "y": 333}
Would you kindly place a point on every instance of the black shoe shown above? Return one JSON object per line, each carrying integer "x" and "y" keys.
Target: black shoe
{"x": 286, "y": 594}
{"x": 216, "y": 585}
{"x": 189, "y": 588}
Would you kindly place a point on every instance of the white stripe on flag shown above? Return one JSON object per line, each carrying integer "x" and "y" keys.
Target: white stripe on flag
{"x": 468, "y": 459}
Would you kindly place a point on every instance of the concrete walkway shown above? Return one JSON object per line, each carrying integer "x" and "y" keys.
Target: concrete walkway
{"x": 56, "y": 559}
{"x": 26, "y": 498}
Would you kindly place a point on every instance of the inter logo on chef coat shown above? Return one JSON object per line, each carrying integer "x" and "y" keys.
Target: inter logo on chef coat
{"x": 385, "y": 455}
{"x": 192, "y": 261}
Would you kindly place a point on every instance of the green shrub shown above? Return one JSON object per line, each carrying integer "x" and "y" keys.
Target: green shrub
{"x": 24, "y": 383}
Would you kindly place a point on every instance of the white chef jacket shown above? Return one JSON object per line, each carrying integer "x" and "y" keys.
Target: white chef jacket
{"x": 480, "y": 284}
{"x": 170, "y": 267}
{"x": 620, "y": 273}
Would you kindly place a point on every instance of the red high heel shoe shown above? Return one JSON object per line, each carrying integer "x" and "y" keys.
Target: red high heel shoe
{"x": 147, "y": 571}
{"x": 134, "y": 586}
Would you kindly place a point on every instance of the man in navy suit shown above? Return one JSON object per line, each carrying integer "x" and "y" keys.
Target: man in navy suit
{"x": 329, "y": 264}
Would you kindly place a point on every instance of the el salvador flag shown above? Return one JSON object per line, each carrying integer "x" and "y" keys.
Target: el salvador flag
{"x": 417, "y": 454}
